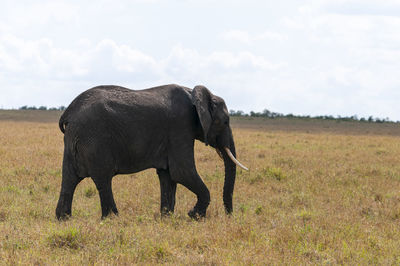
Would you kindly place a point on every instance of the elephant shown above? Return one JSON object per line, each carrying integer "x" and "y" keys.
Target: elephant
{"x": 110, "y": 130}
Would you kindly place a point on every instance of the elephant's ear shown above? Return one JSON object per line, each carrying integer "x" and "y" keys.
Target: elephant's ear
{"x": 201, "y": 98}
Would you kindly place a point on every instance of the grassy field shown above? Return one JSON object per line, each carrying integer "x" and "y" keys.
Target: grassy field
{"x": 318, "y": 192}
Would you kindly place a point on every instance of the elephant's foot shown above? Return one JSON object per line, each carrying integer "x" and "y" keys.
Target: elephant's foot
{"x": 107, "y": 213}
{"x": 166, "y": 212}
{"x": 197, "y": 214}
{"x": 63, "y": 210}
{"x": 63, "y": 216}
{"x": 200, "y": 209}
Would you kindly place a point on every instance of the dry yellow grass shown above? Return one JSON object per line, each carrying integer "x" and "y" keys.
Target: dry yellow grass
{"x": 322, "y": 198}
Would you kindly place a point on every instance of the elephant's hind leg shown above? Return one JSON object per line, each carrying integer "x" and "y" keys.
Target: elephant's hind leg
{"x": 168, "y": 191}
{"x": 69, "y": 182}
{"x": 107, "y": 202}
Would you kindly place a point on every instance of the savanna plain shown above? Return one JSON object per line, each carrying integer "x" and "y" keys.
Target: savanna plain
{"x": 318, "y": 192}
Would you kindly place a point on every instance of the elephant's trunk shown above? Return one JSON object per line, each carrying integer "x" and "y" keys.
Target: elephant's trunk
{"x": 230, "y": 175}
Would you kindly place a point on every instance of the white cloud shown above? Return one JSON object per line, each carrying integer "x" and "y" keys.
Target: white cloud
{"x": 22, "y": 14}
{"x": 247, "y": 38}
{"x": 352, "y": 49}
{"x": 41, "y": 63}
{"x": 353, "y": 7}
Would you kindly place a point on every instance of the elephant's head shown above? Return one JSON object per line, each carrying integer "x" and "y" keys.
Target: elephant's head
{"x": 214, "y": 120}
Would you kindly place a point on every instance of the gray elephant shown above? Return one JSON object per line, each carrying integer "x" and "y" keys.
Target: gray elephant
{"x": 110, "y": 130}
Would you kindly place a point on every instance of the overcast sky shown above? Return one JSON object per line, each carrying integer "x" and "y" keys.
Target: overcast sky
{"x": 317, "y": 57}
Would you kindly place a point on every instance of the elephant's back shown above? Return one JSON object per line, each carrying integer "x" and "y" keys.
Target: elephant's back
{"x": 94, "y": 96}
{"x": 105, "y": 107}
{"x": 117, "y": 96}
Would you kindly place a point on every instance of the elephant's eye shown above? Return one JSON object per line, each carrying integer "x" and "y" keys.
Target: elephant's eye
{"x": 226, "y": 123}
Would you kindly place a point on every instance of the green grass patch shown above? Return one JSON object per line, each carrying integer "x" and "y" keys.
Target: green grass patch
{"x": 68, "y": 238}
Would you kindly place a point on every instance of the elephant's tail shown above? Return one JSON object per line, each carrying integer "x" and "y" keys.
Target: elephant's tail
{"x": 62, "y": 123}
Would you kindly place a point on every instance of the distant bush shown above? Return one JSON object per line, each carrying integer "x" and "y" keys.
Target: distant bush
{"x": 237, "y": 113}
{"x": 25, "y": 107}
{"x": 43, "y": 108}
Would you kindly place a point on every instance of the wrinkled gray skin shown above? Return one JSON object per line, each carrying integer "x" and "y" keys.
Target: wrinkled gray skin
{"x": 110, "y": 130}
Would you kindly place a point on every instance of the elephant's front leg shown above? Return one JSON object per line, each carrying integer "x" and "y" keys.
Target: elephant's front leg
{"x": 196, "y": 185}
{"x": 183, "y": 170}
{"x": 107, "y": 202}
{"x": 168, "y": 191}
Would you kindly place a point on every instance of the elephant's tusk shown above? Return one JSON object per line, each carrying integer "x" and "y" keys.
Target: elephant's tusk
{"x": 228, "y": 151}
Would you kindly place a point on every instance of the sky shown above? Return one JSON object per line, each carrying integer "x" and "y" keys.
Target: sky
{"x": 305, "y": 57}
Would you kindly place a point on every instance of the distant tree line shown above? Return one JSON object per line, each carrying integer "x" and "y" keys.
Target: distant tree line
{"x": 265, "y": 113}
{"x": 268, "y": 114}
{"x": 25, "y": 107}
